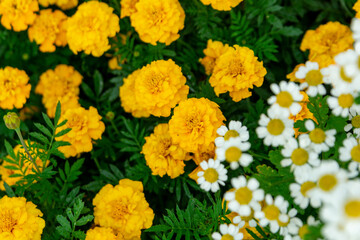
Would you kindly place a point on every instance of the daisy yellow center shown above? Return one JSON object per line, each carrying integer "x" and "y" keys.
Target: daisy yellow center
{"x": 231, "y": 133}
{"x": 275, "y": 127}
{"x": 343, "y": 75}
{"x": 355, "y": 153}
{"x": 327, "y": 182}
{"x": 271, "y": 212}
{"x": 7, "y": 223}
{"x": 227, "y": 237}
{"x": 303, "y": 230}
{"x": 284, "y": 99}
{"x": 211, "y": 175}
{"x": 355, "y": 121}
{"x": 235, "y": 68}
{"x": 283, "y": 224}
{"x": 233, "y": 154}
{"x": 119, "y": 209}
{"x": 305, "y": 187}
{"x": 317, "y": 135}
{"x": 299, "y": 156}
{"x": 352, "y": 209}
{"x": 243, "y": 195}
{"x": 314, "y": 77}
{"x": 346, "y": 100}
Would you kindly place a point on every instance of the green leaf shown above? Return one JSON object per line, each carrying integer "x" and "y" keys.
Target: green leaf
{"x": 290, "y": 31}
{"x": 79, "y": 235}
{"x": 8, "y": 190}
{"x": 63, "y": 231}
{"x": 78, "y": 207}
{"x": 57, "y": 114}
{"x": 337, "y": 123}
{"x": 64, "y": 222}
{"x": 70, "y": 215}
{"x": 98, "y": 82}
{"x": 84, "y": 220}
{"x": 47, "y": 120}
{"x": 43, "y": 129}
{"x": 158, "y": 228}
{"x": 9, "y": 149}
{"x": 62, "y": 123}
{"x": 63, "y": 132}
{"x": 40, "y": 137}
{"x": 87, "y": 90}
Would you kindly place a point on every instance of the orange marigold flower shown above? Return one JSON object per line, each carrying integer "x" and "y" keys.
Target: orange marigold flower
{"x": 128, "y": 7}
{"x": 85, "y": 125}
{"x": 18, "y": 14}
{"x": 61, "y": 84}
{"x": 156, "y": 89}
{"x": 90, "y": 27}
{"x": 161, "y": 155}
{"x": 15, "y": 88}
{"x": 194, "y": 123}
{"x": 356, "y": 7}
{"x": 20, "y": 219}
{"x": 123, "y": 208}
{"x": 212, "y": 52}
{"x": 325, "y": 42}
{"x": 291, "y": 76}
{"x": 48, "y": 30}
{"x": 102, "y": 233}
{"x": 236, "y": 71}
{"x": 63, "y": 4}
{"x": 114, "y": 63}
{"x": 158, "y": 21}
{"x": 222, "y": 5}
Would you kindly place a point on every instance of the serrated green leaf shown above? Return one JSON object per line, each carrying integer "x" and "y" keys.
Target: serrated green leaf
{"x": 84, "y": 220}
{"x": 64, "y": 222}
{"x": 63, "y": 132}
{"x": 70, "y": 215}
{"x": 98, "y": 82}
{"x": 43, "y": 129}
{"x": 57, "y": 114}
{"x": 40, "y": 137}
{"x": 290, "y": 31}
{"x": 158, "y": 228}
{"x": 9, "y": 149}
{"x": 9, "y": 190}
{"x": 48, "y": 121}
{"x": 63, "y": 232}
{"x": 79, "y": 235}
{"x": 87, "y": 90}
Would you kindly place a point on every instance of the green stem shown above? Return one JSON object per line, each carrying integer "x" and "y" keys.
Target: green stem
{"x": 258, "y": 155}
{"x": 115, "y": 128}
{"x": 97, "y": 164}
{"x": 26, "y": 150}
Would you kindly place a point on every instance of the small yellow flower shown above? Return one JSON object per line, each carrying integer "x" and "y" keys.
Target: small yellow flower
{"x": 158, "y": 21}
{"x": 194, "y": 123}
{"x": 48, "y": 30}
{"x": 114, "y": 63}
{"x": 128, "y": 7}
{"x": 236, "y": 71}
{"x": 63, "y": 4}
{"x": 222, "y": 5}
{"x": 15, "y": 88}
{"x": 212, "y": 52}
{"x": 90, "y": 27}
{"x": 17, "y": 15}
{"x": 61, "y": 84}
{"x": 100, "y": 233}
{"x": 123, "y": 208}
{"x": 85, "y": 126}
{"x": 356, "y": 7}
{"x": 161, "y": 155}
{"x": 20, "y": 219}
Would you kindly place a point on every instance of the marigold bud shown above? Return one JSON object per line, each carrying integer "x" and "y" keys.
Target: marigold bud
{"x": 12, "y": 120}
{"x": 110, "y": 115}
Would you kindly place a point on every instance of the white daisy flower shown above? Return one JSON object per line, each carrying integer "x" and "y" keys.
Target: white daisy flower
{"x": 233, "y": 152}
{"x": 354, "y": 117}
{"x": 287, "y": 96}
{"x": 273, "y": 210}
{"x": 304, "y": 228}
{"x": 245, "y": 196}
{"x": 214, "y": 174}
{"x": 313, "y": 79}
{"x": 298, "y": 156}
{"x": 236, "y": 129}
{"x": 341, "y": 103}
{"x": 342, "y": 217}
{"x": 290, "y": 224}
{"x": 275, "y": 129}
{"x": 241, "y": 220}
{"x": 329, "y": 177}
{"x": 351, "y": 151}
{"x": 355, "y": 28}
{"x": 227, "y": 232}
{"x": 318, "y": 139}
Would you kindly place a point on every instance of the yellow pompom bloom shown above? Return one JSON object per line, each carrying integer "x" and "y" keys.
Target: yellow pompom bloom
{"x": 20, "y": 219}
{"x": 48, "y": 30}
{"x": 61, "y": 84}
{"x": 90, "y": 27}
{"x": 236, "y": 71}
{"x": 85, "y": 126}
{"x": 123, "y": 208}
{"x": 356, "y": 7}
{"x": 194, "y": 123}
{"x": 100, "y": 233}
{"x": 212, "y": 52}
{"x": 155, "y": 89}
{"x": 158, "y": 21}
{"x": 15, "y": 88}
{"x": 63, "y": 4}
{"x": 18, "y": 14}
{"x": 222, "y": 5}
{"x": 325, "y": 42}
{"x": 161, "y": 155}
{"x": 127, "y": 8}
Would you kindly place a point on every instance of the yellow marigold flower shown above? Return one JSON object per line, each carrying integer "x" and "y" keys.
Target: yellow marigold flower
{"x": 114, "y": 63}
{"x": 48, "y": 30}
{"x": 236, "y": 71}
{"x": 89, "y": 28}
{"x": 212, "y": 52}
{"x": 20, "y": 219}
{"x": 15, "y": 88}
{"x": 18, "y": 14}
{"x": 222, "y": 5}
{"x": 325, "y": 42}
{"x": 291, "y": 76}
{"x": 158, "y": 21}
{"x": 61, "y": 84}
{"x": 161, "y": 155}
{"x": 85, "y": 125}
{"x": 127, "y": 7}
{"x": 63, "y": 4}
{"x": 155, "y": 89}
{"x": 100, "y": 233}
{"x": 123, "y": 208}
{"x": 356, "y": 7}
{"x": 194, "y": 123}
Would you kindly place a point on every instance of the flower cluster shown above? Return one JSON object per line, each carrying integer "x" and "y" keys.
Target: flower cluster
{"x": 61, "y": 84}
{"x": 222, "y": 5}
{"x": 18, "y": 15}
{"x": 63, "y": 4}
{"x": 213, "y": 51}
{"x": 154, "y": 89}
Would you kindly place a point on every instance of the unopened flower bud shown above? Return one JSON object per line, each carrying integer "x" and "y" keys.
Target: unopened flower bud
{"x": 110, "y": 116}
{"x": 12, "y": 120}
